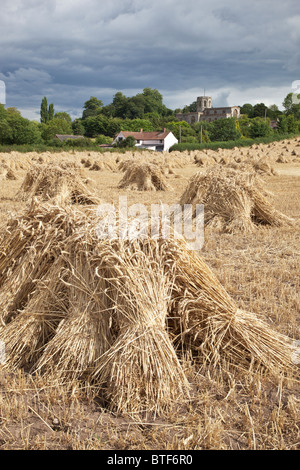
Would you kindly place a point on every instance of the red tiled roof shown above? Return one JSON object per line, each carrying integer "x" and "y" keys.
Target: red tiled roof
{"x": 160, "y": 135}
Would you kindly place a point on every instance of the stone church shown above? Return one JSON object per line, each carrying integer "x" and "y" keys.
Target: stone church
{"x": 206, "y": 112}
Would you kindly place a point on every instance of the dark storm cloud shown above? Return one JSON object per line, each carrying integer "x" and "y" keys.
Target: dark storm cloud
{"x": 71, "y": 50}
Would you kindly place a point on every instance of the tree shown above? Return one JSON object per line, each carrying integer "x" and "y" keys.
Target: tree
{"x": 114, "y": 127}
{"x": 134, "y": 125}
{"x": 150, "y": 101}
{"x": 192, "y": 108}
{"x": 108, "y": 110}
{"x": 155, "y": 119}
{"x": 23, "y": 131}
{"x": 291, "y": 104}
{"x": 282, "y": 125}
{"x": 51, "y": 112}
{"x": 120, "y": 104}
{"x": 153, "y": 100}
{"x": 3, "y": 113}
{"x": 14, "y": 129}
{"x": 6, "y": 133}
{"x": 13, "y": 111}
{"x": 259, "y": 128}
{"x": 47, "y": 113}
{"x": 44, "y": 110}
{"x": 103, "y": 139}
{"x": 92, "y": 107}
{"x": 181, "y": 130}
{"x": 78, "y": 127}
{"x": 247, "y": 109}
{"x": 288, "y": 103}
{"x": 200, "y": 128}
{"x": 127, "y": 142}
{"x": 292, "y": 124}
{"x": 223, "y": 130}
{"x": 135, "y": 108}
{"x": 63, "y": 115}
{"x": 55, "y": 126}
{"x": 259, "y": 110}
{"x": 95, "y": 125}
{"x": 245, "y": 123}
{"x": 273, "y": 112}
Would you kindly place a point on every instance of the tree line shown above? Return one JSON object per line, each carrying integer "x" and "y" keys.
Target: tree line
{"x": 99, "y": 124}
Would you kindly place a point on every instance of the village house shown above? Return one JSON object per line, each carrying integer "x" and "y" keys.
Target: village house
{"x": 160, "y": 141}
{"x": 206, "y": 112}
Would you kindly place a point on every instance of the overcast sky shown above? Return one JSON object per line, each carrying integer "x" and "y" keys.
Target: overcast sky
{"x": 238, "y": 51}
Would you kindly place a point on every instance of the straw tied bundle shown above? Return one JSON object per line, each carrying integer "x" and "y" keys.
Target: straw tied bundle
{"x": 110, "y": 312}
{"x": 59, "y": 183}
{"x": 233, "y": 200}
{"x": 143, "y": 176}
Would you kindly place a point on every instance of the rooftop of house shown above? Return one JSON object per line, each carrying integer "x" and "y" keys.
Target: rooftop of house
{"x": 143, "y": 135}
{"x": 63, "y": 137}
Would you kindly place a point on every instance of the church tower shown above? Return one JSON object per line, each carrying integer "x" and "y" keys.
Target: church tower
{"x": 203, "y": 102}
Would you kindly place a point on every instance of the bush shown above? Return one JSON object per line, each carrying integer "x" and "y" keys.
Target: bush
{"x": 127, "y": 142}
{"x": 103, "y": 139}
{"x": 17, "y": 130}
{"x": 224, "y": 130}
{"x": 79, "y": 143}
{"x": 259, "y": 128}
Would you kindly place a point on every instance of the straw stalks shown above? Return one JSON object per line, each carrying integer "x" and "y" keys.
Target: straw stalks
{"x": 118, "y": 314}
{"x": 233, "y": 200}
{"x": 57, "y": 184}
{"x": 143, "y": 177}
{"x": 141, "y": 371}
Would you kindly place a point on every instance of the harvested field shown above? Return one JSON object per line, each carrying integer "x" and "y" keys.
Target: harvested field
{"x": 148, "y": 345}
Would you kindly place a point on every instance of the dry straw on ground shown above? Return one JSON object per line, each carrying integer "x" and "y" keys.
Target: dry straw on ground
{"x": 232, "y": 199}
{"x": 117, "y": 313}
{"x": 6, "y": 173}
{"x": 63, "y": 183}
{"x": 143, "y": 176}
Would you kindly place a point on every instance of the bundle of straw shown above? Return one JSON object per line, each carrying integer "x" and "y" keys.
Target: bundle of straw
{"x": 29, "y": 244}
{"x": 208, "y": 321}
{"x": 141, "y": 371}
{"x": 233, "y": 199}
{"x": 117, "y": 313}
{"x": 143, "y": 177}
{"x": 57, "y": 184}
{"x": 27, "y": 330}
{"x": 84, "y": 332}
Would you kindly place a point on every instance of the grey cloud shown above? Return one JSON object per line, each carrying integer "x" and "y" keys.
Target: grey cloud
{"x": 71, "y": 49}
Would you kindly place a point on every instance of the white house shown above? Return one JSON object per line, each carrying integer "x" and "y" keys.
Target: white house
{"x": 160, "y": 141}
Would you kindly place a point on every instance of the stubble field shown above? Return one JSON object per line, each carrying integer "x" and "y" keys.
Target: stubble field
{"x": 228, "y": 408}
